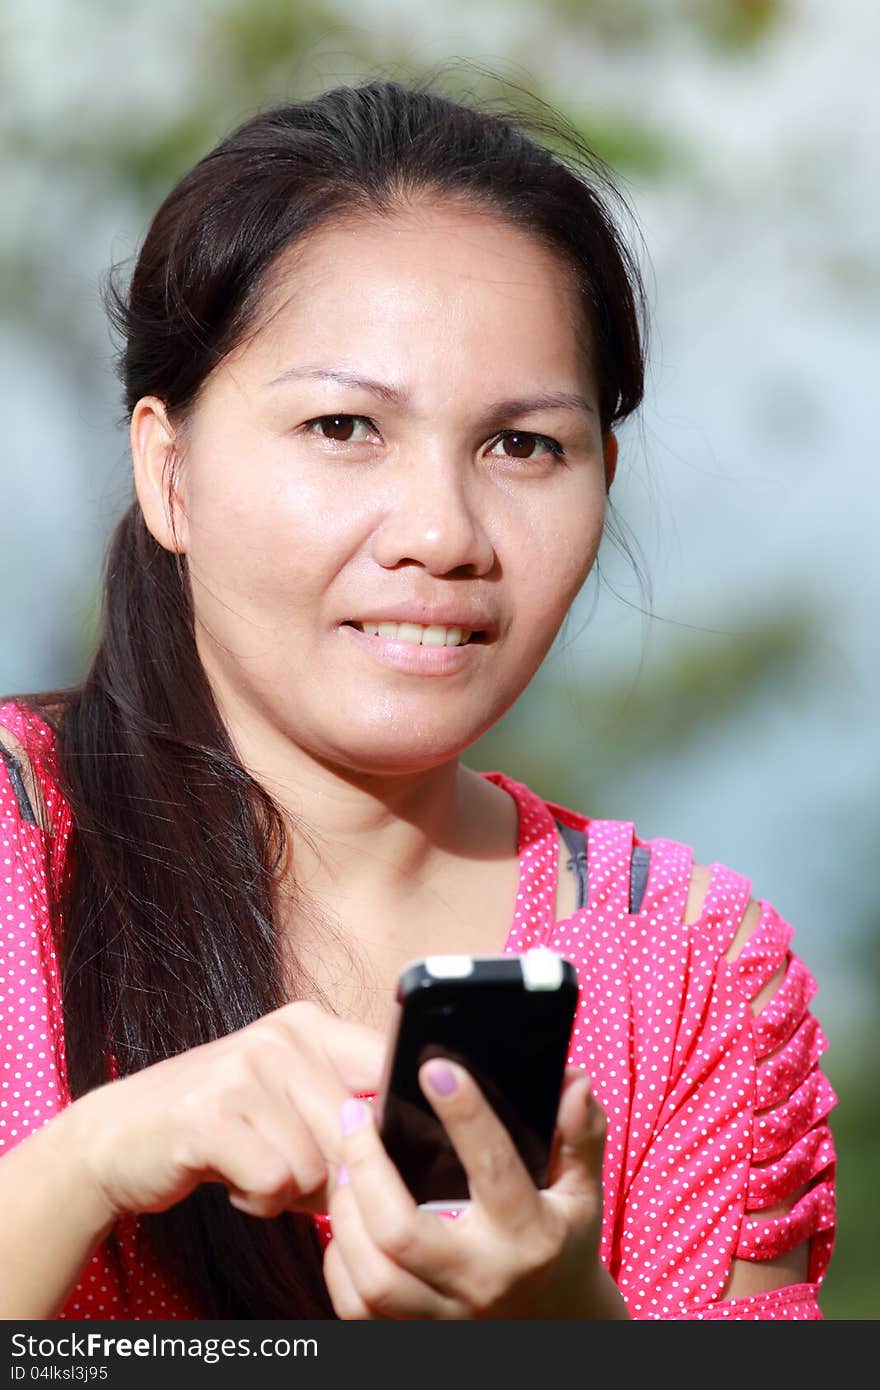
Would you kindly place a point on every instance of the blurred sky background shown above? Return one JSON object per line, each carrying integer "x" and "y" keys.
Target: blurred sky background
{"x": 741, "y": 717}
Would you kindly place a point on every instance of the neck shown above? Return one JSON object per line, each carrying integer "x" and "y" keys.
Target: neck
{"x": 381, "y": 838}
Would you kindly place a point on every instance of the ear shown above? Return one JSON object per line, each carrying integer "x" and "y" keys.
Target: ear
{"x": 152, "y": 447}
{"x": 609, "y": 450}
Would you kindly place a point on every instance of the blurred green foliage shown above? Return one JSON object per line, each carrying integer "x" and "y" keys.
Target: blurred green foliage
{"x": 738, "y": 24}
{"x": 851, "y": 1290}
{"x": 730, "y": 24}
{"x": 685, "y": 696}
{"x": 251, "y": 53}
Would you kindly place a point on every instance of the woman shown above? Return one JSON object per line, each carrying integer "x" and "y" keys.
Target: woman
{"x": 376, "y": 347}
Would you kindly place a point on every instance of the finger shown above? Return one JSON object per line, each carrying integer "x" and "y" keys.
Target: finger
{"x": 385, "y": 1288}
{"x": 356, "y": 1051}
{"x": 257, "y": 1175}
{"x": 347, "y": 1302}
{"x": 497, "y": 1177}
{"x": 305, "y": 1082}
{"x": 419, "y": 1242}
{"x": 303, "y": 1086}
{"x": 274, "y": 1115}
{"x": 576, "y": 1162}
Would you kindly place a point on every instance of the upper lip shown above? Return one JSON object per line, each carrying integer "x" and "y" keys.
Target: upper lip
{"x": 439, "y": 615}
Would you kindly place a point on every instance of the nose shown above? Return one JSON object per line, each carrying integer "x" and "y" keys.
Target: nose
{"x": 435, "y": 517}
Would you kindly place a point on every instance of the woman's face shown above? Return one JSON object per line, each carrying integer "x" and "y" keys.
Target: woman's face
{"x": 377, "y": 448}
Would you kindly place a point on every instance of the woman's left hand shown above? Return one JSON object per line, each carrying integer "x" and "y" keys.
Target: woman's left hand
{"x": 515, "y": 1252}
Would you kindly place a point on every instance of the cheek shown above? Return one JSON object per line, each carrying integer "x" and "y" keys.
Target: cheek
{"x": 555, "y": 553}
{"x": 272, "y": 547}
{"x": 577, "y": 547}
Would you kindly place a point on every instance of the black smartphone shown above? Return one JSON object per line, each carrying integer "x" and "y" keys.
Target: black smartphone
{"x": 507, "y": 1020}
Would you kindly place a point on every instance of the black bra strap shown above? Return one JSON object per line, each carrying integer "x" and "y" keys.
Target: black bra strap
{"x": 638, "y": 879}
{"x": 25, "y": 809}
{"x": 576, "y": 840}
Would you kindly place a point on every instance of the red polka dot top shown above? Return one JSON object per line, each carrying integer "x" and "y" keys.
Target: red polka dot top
{"x": 718, "y": 1146}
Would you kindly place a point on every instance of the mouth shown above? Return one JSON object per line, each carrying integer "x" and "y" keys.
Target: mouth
{"x": 414, "y": 638}
{"x": 447, "y": 652}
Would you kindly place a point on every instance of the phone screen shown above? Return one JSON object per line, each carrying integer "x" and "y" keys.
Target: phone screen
{"x": 513, "y": 1040}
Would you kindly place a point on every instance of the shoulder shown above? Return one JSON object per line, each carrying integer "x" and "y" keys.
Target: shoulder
{"x": 23, "y": 800}
{"x": 758, "y": 917}
{"x": 668, "y": 886}
{"x": 25, "y": 859}
{"x": 28, "y": 793}
{"x": 666, "y": 901}
{"x": 708, "y": 908}
{"x": 704, "y": 876}
{"x": 726, "y": 942}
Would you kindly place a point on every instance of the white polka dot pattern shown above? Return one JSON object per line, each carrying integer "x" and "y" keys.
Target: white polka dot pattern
{"x": 664, "y": 1028}
{"x": 33, "y": 1085}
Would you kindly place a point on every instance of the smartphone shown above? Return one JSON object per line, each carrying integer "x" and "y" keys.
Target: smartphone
{"x": 507, "y": 1020}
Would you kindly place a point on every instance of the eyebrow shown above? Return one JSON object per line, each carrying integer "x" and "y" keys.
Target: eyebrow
{"x": 518, "y": 405}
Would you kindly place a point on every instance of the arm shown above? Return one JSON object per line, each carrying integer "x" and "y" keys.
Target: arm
{"x": 786, "y": 1230}
{"x": 227, "y": 1111}
{"x": 52, "y": 1219}
{"x": 753, "y": 1276}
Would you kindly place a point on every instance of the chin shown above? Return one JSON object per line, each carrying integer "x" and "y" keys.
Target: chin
{"x": 390, "y": 753}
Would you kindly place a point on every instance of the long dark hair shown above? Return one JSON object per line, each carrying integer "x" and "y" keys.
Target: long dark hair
{"x": 167, "y": 894}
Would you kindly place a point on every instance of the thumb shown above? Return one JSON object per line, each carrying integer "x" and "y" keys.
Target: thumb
{"x": 579, "y": 1142}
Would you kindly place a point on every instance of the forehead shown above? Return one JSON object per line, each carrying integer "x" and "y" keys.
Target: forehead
{"x": 426, "y": 282}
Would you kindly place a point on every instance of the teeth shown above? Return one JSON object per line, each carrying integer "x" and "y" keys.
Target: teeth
{"x": 434, "y": 636}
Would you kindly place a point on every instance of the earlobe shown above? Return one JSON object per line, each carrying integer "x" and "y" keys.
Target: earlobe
{"x": 152, "y": 448}
{"x": 610, "y": 453}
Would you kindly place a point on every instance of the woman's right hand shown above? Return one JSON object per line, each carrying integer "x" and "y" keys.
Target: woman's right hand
{"x": 257, "y": 1110}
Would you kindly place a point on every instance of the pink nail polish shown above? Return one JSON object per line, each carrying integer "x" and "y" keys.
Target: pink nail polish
{"x": 354, "y": 1113}
{"x": 441, "y": 1078}
{"x": 342, "y": 1176}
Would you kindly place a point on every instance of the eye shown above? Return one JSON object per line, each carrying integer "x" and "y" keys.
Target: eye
{"x": 337, "y": 428}
{"x": 523, "y": 442}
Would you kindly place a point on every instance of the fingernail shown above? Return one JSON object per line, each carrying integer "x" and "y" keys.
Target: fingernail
{"x": 441, "y": 1078}
{"x": 354, "y": 1112}
{"x": 342, "y": 1176}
